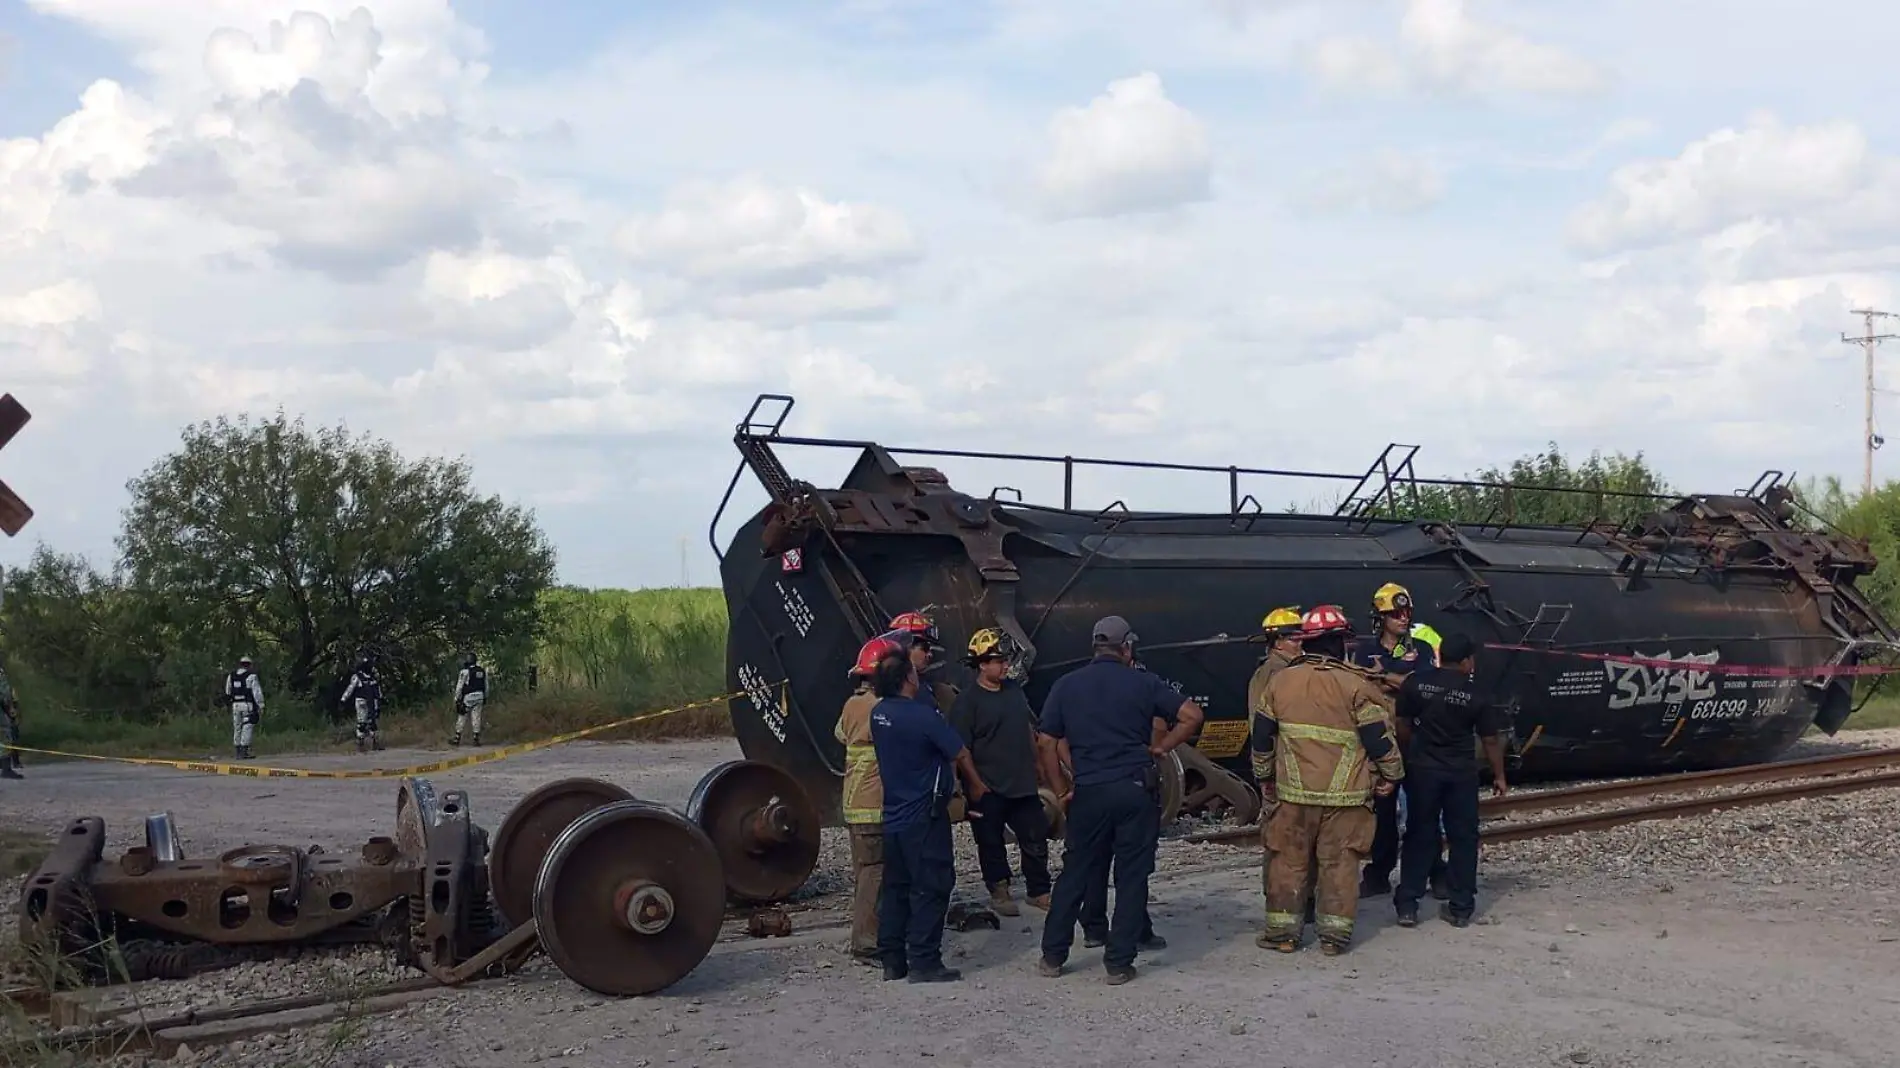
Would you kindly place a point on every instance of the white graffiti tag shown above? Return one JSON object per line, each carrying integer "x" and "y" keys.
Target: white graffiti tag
{"x": 1642, "y": 685}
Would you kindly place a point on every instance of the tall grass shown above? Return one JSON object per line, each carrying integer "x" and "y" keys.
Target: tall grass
{"x": 608, "y": 654}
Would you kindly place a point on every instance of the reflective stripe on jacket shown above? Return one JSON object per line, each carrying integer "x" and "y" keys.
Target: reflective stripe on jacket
{"x": 1323, "y": 733}
{"x": 863, "y": 795}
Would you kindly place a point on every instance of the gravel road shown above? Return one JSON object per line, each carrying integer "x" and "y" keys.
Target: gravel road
{"x": 1762, "y": 937}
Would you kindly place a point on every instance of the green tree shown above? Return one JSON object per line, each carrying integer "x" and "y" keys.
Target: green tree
{"x": 82, "y": 631}
{"x": 1613, "y": 488}
{"x": 310, "y": 548}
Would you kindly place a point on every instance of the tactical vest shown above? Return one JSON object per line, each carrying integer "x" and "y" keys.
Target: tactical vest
{"x": 1318, "y": 705}
{"x": 863, "y": 794}
{"x": 477, "y": 680}
{"x": 238, "y": 686}
{"x": 368, "y": 689}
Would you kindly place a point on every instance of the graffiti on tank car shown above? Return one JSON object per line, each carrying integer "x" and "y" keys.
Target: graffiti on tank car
{"x": 796, "y": 610}
{"x": 763, "y": 699}
{"x": 1643, "y": 685}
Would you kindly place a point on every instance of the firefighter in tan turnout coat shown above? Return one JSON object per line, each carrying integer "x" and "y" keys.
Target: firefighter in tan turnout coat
{"x": 1323, "y": 746}
{"x": 863, "y": 804}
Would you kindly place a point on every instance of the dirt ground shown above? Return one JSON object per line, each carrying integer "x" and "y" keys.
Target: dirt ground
{"x": 1742, "y": 944}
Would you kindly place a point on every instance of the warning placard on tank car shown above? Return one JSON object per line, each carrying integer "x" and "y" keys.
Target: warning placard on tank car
{"x": 1582, "y": 683}
{"x": 1221, "y": 739}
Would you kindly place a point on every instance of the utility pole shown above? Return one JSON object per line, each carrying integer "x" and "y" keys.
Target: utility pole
{"x": 1867, "y": 341}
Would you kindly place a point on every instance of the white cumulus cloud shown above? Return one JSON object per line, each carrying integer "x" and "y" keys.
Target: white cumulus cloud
{"x": 1131, "y": 149}
{"x": 1443, "y": 47}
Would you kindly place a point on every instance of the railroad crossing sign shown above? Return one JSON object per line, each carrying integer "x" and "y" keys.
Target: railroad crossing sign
{"x": 14, "y": 513}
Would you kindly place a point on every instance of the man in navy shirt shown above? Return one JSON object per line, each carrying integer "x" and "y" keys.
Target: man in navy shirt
{"x": 916, "y": 752}
{"x": 1105, "y": 712}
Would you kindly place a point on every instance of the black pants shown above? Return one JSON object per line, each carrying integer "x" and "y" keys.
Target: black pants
{"x": 1118, "y": 824}
{"x": 1454, "y": 796}
{"x": 1025, "y": 816}
{"x": 1385, "y": 835}
{"x": 918, "y": 878}
{"x": 1095, "y": 911}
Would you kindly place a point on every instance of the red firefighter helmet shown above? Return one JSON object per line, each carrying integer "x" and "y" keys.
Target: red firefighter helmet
{"x": 873, "y": 652}
{"x": 919, "y": 627}
{"x": 1324, "y": 619}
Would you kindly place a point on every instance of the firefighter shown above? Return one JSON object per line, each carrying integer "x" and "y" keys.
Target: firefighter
{"x": 919, "y": 755}
{"x": 1323, "y": 739}
{"x": 1282, "y": 628}
{"x": 365, "y": 694}
{"x": 925, "y": 649}
{"x": 471, "y": 692}
{"x": 245, "y": 694}
{"x": 9, "y": 729}
{"x": 996, "y": 722}
{"x": 863, "y": 803}
{"x": 1396, "y": 647}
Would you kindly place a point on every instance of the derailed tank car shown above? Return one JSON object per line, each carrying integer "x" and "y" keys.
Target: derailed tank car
{"x": 1703, "y": 581}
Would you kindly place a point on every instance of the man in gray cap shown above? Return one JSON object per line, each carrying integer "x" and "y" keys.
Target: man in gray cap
{"x": 1105, "y": 711}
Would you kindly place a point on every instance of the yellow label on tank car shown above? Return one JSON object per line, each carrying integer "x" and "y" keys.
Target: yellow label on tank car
{"x": 1221, "y": 739}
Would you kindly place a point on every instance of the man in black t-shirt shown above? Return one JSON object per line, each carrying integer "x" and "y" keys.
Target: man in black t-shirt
{"x": 1440, "y": 715}
{"x": 997, "y": 724}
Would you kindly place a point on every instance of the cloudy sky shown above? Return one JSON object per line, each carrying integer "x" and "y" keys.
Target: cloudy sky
{"x": 572, "y": 241}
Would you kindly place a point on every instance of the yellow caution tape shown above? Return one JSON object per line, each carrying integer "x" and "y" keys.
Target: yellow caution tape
{"x": 254, "y": 771}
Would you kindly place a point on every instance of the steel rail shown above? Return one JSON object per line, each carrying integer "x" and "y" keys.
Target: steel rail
{"x": 1837, "y": 764}
{"x": 1694, "y": 806}
{"x": 1509, "y": 831}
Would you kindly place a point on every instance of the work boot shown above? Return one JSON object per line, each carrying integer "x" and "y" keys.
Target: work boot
{"x": 1040, "y": 901}
{"x": 1280, "y": 944}
{"x": 1093, "y": 941}
{"x": 1001, "y": 901}
{"x": 1408, "y": 915}
{"x": 937, "y": 974}
{"x": 478, "y": 740}
{"x": 237, "y": 752}
{"x": 362, "y": 744}
{"x": 1118, "y": 976}
{"x": 8, "y": 771}
{"x": 1331, "y": 948}
{"x": 894, "y": 972}
{"x": 456, "y": 741}
{"x": 1152, "y": 942}
{"x": 1453, "y": 918}
{"x": 1048, "y": 969}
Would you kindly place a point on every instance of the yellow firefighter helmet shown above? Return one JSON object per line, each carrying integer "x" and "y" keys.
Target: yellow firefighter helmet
{"x": 1391, "y": 597}
{"x": 1281, "y": 620}
{"x": 989, "y": 642}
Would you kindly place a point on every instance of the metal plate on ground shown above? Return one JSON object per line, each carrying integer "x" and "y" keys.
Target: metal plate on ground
{"x": 764, "y": 826}
{"x": 522, "y": 841}
{"x": 630, "y": 898}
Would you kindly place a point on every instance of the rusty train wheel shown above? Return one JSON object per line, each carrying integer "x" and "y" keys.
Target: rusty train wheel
{"x": 416, "y": 809}
{"x": 522, "y": 841}
{"x": 764, "y": 826}
{"x": 630, "y": 898}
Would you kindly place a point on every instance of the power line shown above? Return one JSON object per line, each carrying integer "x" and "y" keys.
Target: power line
{"x": 1867, "y": 342}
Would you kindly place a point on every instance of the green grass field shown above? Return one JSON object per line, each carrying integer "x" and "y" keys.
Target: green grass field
{"x": 611, "y": 654}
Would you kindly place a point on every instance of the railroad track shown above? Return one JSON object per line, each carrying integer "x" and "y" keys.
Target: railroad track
{"x": 1812, "y": 777}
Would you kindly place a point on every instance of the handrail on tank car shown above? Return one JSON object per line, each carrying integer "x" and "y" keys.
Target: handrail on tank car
{"x": 1071, "y": 462}
{"x": 772, "y": 432}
